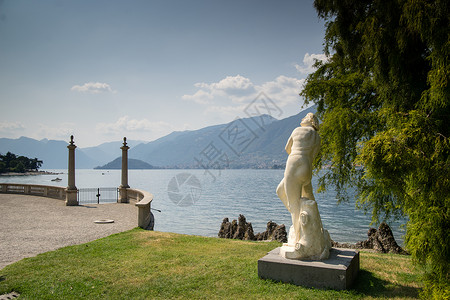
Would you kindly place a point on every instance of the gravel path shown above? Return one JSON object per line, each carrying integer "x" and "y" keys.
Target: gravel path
{"x": 30, "y": 225}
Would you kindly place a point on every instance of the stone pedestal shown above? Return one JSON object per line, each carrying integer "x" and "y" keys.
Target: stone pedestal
{"x": 123, "y": 195}
{"x": 337, "y": 272}
{"x": 71, "y": 197}
{"x": 71, "y": 190}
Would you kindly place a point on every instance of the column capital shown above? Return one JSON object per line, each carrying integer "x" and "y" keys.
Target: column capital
{"x": 124, "y": 147}
{"x": 71, "y": 143}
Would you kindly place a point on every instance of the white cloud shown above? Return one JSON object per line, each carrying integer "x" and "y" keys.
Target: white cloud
{"x": 126, "y": 124}
{"x": 283, "y": 90}
{"x": 93, "y": 88}
{"x": 230, "y": 85}
{"x": 235, "y": 88}
{"x": 308, "y": 62}
{"x": 232, "y": 94}
{"x": 62, "y": 130}
{"x": 11, "y": 126}
{"x": 200, "y": 97}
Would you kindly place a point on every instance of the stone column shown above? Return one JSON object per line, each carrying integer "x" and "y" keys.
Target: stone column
{"x": 71, "y": 190}
{"x": 123, "y": 195}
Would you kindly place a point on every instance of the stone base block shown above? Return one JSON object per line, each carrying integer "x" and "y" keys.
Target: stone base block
{"x": 337, "y": 272}
{"x": 71, "y": 197}
{"x": 123, "y": 194}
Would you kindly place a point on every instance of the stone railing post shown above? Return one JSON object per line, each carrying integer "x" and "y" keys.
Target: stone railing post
{"x": 71, "y": 190}
{"x": 123, "y": 197}
{"x": 146, "y": 219}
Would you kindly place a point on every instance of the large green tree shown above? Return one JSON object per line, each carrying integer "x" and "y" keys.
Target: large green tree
{"x": 383, "y": 98}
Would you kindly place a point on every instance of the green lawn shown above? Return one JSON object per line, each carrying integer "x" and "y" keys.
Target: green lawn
{"x": 140, "y": 264}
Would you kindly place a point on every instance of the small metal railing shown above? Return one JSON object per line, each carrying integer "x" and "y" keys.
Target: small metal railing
{"x": 98, "y": 195}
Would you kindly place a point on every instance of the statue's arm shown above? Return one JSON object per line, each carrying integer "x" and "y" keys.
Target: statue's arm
{"x": 289, "y": 145}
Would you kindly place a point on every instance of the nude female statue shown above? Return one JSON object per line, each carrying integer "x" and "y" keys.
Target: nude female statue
{"x": 295, "y": 191}
{"x": 302, "y": 147}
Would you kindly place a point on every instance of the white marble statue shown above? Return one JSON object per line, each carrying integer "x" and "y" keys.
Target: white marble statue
{"x": 307, "y": 238}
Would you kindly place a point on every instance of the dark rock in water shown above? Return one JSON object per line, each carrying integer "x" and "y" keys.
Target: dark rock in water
{"x": 261, "y": 236}
{"x": 343, "y": 245}
{"x": 381, "y": 240}
{"x": 240, "y": 228}
{"x": 369, "y": 243}
{"x": 273, "y": 232}
{"x": 234, "y": 226}
{"x": 225, "y": 229}
{"x": 233, "y": 229}
{"x": 243, "y": 230}
{"x": 280, "y": 234}
{"x": 249, "y": 235}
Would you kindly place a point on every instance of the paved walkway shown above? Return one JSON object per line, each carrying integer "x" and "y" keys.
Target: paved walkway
{"x": 30, "y": 225}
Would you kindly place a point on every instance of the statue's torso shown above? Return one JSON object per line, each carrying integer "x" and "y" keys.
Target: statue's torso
{"x": 304, "y": 141}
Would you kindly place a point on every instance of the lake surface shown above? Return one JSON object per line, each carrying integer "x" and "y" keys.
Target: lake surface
{"x": 196, "y": 201}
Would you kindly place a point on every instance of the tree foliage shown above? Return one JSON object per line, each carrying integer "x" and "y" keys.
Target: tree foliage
{"x": 383, "y": 98}
{"x": 20, "y": 164}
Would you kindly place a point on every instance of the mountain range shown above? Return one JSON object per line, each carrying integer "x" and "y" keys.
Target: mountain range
{"x": 256, "y": 142}
{"x": 54, "y": 154}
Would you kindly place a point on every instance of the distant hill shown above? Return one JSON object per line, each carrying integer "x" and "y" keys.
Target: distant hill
{"x": 181, "y": 149}
{"x": 267, "y": 150}
{"x": 54, "y": 154}
{"x": 264, "y": 145}
{"x": 106, "y": 152}
{"x": 132, "y": 164}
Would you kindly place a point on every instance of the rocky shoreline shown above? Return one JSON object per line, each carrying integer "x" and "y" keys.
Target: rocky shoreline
{"x": 243, "y": 230}
{"x": 380, "y": 240}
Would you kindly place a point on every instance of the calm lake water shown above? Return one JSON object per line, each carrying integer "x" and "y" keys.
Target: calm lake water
{"x": 219, "y": 194}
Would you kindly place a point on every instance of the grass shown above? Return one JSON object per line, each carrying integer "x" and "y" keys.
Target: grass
{"x": 140, "y": 264}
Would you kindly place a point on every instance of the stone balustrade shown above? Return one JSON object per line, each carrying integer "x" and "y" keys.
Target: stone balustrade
{"x": 141, "y": 198}
{"x": 143, "y": 201}
{"x": 49, "y": 191}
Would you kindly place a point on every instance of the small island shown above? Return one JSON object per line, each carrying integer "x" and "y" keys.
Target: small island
{"x": 135, "y": 164}
{"x": 12, "y": 164}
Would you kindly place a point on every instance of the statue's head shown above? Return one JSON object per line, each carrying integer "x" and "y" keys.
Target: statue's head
{"x": 310, "y": 120}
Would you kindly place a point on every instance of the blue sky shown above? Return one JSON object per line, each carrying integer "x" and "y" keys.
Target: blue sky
{"x": 101, "y": 70}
